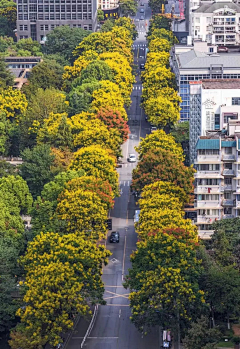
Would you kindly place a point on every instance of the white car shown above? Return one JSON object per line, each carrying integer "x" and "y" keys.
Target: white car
{"x": 132, "y": 158}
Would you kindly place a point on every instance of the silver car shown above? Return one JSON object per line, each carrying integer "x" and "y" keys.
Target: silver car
{"x": 132, "y": 158}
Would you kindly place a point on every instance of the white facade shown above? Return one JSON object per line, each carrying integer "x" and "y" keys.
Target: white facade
{"x": 217, "y": 181}
{"x": 219, "y": 27}
{"x": 107, "y": 4}
{"x": 213, "y": 103}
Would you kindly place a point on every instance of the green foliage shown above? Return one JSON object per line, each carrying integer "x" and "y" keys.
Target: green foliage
{"x": 63, "y": 40}
{"x": 100, "y": 15}
{"x": 180, "y": 132}
{"x": 37, "y": 168}
{"x": 128, "y": 7}
{"x": 6, "y": 77}
{"x": 96, "y": 71}
{"x": 199, "y": 335}
{"x": 7, "y": 169}
{"x": 33, "y": 47}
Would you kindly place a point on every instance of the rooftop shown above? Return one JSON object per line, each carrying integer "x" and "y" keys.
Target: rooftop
{"x": 211, "y": 7}
{"x": 221, "y": 84}
{"x": 195, "y": 59}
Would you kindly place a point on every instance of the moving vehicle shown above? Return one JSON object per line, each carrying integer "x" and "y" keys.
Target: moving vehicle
{"x": 142, "y": 3}
{"x": 141, "y": 18}
{"x": 114, "y": 237}
{"x": 142, "y": 10}
{"x": 153, "y": 128}
{"x": 132, "y": 158}
{"x": 142, "y": 65}
{"x": 222, "y": 49}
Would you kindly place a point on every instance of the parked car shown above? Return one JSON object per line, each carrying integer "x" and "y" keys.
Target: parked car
{"x": 142, "y": 3}
{"x": 142, "y": 65}
{"x": 142, "y": 10}
{"x": 114, "y": 237}
{"x": 222, "y": 49}
{"x": 153, "y": 128}
{"x": 132, "y": 158}
{"x": 141, "y": 18}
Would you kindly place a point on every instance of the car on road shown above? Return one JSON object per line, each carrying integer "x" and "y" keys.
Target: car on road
{"x": 137, "y": 20}
{"x": 141, "y": 18}
{"x": 142, "y": 3}
{"x": 222, "y": 49}
{"x": 153, "y": 128}
{"x": 142, "y": 10}
{"x": 132, "y": 158}
{"x": 142, "y": 65}
{"x": 114, "y": 237}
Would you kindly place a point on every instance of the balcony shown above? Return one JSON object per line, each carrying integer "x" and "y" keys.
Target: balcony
{"x": 208, "y": 174}
{"x": 228, "y": 172}
{"x": 201, "y": 204}
{"x": 237, "y": 204}
{"x": 227, "y": 187}
{"x": 227, "y": 216}
{"x": 218, "y": 23}
{"x": 228, "y": 202}
{"x": 228, "y": 157}
{"x": 205, "y": 234}
{"x": 204, "y": 189}
{"x": 206, "y": 219}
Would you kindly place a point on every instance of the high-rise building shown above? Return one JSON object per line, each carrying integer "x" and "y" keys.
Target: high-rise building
{"x": 36, "y": 18}
{"x": 212, "y": 104}
{"x": 217, "y": 181}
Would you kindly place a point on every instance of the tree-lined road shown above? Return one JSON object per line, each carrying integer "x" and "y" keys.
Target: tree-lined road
{"x": 113, "y": 328}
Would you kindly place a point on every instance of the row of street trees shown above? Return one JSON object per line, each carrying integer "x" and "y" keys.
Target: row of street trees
{"x": 163, "y": 280}
{"x": 70, "y": 141}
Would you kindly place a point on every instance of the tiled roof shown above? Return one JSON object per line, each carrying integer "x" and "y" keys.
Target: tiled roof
{"x": 221, "y": 84}
{"x": 210, "y": 8}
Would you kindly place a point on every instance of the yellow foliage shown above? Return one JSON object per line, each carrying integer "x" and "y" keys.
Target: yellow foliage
{"x": 13, "y": 103}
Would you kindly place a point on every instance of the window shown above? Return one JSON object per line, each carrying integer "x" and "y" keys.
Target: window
{"x": 20, "y": 8}
{"x": 52, "y": 26}
{"x": 217, "y": 121}
{"x": 208, "y": 167}
{"x": 63, "y": 16}
{"x": 228, "y": 181}
{"x": 42, "y": 27}
{"x": 40, "y": 8}
{"x": 40, "y": 16}
{"x": 52, "y": 17}
{"x": 230, "y": 116}
{"x": 90, "y": 26}
{"x": 227, "y": 196}
{"x": 208, "y": 181}
{"x": 228, "y": 166}
{"x": 57, "y": 8}
{"x": 235, "y": 100}
{"x": 228, "y": 150}
{"x": 21, "y": 27}
{"x": 74, "y": 16}
{"x": 208, "y": 197}
{"x": 227, "y": 210}
{"x": 20, "y": 17}
{"x": 68, "y": 15}
{"x": 210, "y": 49}
{"x": 46, "y": 26}
{"x": 51, "y": 8}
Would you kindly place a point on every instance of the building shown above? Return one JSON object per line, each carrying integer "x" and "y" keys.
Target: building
{"x": 21, "y": 67}
{"x": 108, "y": 4}
{"x": 216, "y": 23}
{"x": 36, "y": 19}
{"x": 198, "y": 62}
{"x": 217, "y": 181}
{"x": 212, "y": 104}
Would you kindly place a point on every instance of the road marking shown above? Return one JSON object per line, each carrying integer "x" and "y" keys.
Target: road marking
{"x": 124, "y": 183}
{"x": 117, "y": 305}
{"x": 113, "y": 286}
{"x": 118, "y": 295}
{"x": 121, "y": 191}
{"x": 124, "y": 253}
{"x": 112, "y": 297}
{"x": 113, "y": 260}
{"x": 128, "y": 184}
{"x": 120, "y": 310}
{"x": 96, "y": 337}
{"x": 140, "y": 127}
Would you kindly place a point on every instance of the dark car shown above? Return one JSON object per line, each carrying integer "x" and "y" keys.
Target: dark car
{"x": 142, "y": 66}
{"x": 114, "y": 237}
{"x": 142, "y": 3}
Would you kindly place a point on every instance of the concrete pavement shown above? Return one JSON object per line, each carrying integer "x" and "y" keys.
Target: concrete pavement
{"x": 113, "y": 328}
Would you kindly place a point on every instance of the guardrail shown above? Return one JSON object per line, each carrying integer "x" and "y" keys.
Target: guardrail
{"x": 90, "y": 327}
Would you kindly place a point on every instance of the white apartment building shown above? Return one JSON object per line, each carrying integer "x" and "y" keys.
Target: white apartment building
{"x": 217, "y": 23}
{"x": 212, "y": 104}
{"x": 108, "y": 4}
{"x": 217, "y": 181}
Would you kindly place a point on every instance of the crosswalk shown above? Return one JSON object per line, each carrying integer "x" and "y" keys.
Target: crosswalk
{"x": 140, "y": 88}
{"x": 142, "y": 32}
{"x": 129, "y": 164}
{"x": 135, "y": 47}
{"x": 125, "y": 183}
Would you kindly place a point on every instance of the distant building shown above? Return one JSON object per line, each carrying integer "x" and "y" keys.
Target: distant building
{"x": 198, "y": 62}
{"x": 21, "y": 67}
{"x": 212, "y": 104}
{"x": 108, "y": 4}
{"x": 36, "y": 19}
{"x": 217, "y": 181}
{"x": 216, "y": 23}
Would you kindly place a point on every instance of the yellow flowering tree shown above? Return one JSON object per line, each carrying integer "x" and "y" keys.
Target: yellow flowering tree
{"x": 159, "y": 139}
{"x": 97, "y": 162}
{"x": 63, "y": 276}
{"x": 158, "y": 78}
{"x": 159, "y": 45}
{"x": 13, "y": 103}
{"x": 163, "y": 280}
{"x": 83, "y": 210}
{"x": 87, "y": 132}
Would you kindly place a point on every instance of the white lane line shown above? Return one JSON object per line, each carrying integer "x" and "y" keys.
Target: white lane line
{"x": 124, "y": 254}
{"x": 124, "y": 182}
{"x": 120, "y": 310}
{"x": 117, "y": 305}
{"x": 128, "y": 184}
{"x": 96, "y": 337}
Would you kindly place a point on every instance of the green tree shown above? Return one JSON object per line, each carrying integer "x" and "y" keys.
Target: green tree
{"x": 96, "y": 71}
{"x": 37, "y": 168}
{"x": 29, "y": 45}
{"x": 163, "y": 34}
{"x": 100, "y": 15}
{"x": 200, "y": 334}
{"x": 63, "y": 276}
{"x": 63, "y": 40}
{"x": 6, "y": 77}
{"x": 157, "y": 22}
{"x": 8, "y": 17}
{"x": 45, "y": 75}
{"x": 7, "y": 169}
{"x": 128, "y": 7}
{"x": 17, "y": 186}
{"x": 180, "y": 132}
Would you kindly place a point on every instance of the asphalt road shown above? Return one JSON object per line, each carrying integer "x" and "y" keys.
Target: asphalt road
{"x": 113, "y": 328}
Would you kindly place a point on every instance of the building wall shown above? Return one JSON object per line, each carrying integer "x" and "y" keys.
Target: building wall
{"x": 37, "y": 19}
